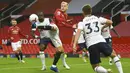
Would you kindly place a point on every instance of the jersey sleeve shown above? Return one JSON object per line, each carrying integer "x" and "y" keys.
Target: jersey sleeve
{"x": 80, "y": 25}
{"x": 102, "y": 20}
{"x": 74, "y": 32}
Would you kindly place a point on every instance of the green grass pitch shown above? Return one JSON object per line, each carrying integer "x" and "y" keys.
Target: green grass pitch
{"x": 33, "y": 65}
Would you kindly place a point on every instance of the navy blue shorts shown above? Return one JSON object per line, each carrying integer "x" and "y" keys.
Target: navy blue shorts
{"x": 109, "y": 41}
{"x": 98, "y": 48}
{"x": 46, "y": 41}
{"x": 82, "y": 46}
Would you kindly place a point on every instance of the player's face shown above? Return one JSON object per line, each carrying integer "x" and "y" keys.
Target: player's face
{"x": 41, "y": 18}
{"x": 64, "y": 7}
{"x": 14, "y": 22}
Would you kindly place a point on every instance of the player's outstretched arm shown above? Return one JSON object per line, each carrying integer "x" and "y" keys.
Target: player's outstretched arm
{"x": 76, "y": 39}
{"x": 116, "y": 32}
{"x": 72, "y": 41}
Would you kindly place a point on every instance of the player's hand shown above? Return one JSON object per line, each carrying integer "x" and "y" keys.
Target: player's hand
{"x": 70, "y": 20}
{"x": 74, "y": 26}
{"x": 63, "y": 22}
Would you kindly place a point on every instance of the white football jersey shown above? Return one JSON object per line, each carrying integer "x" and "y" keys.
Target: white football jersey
{"x": 91, "y": 26}
{"x": 44, "y": 33}
{"x": 106, "y": 32}
{"x": 81, "y": 37}
{"x": 53, "y": 35}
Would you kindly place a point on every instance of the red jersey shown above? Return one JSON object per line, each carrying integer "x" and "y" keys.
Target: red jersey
{"x": 60, "y": 18}
{"x": 14, "y": 32}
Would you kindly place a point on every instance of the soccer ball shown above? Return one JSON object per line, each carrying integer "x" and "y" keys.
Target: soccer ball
{"x": 33, "y": 17}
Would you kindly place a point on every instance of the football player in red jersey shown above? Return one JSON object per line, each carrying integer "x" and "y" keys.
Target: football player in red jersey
{"x": 61, "y": 20}
{"x": 14, "y": 33}
{"x": 61, "y": 17}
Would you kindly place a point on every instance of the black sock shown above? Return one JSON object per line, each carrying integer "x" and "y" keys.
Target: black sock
{"x": 21, "y": 55}
{"x": 56, "y": 58}
{"x": 17, "y": 56}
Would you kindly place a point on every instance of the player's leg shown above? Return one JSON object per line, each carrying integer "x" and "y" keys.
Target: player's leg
{"x": 83, "y": 55}
{"x": 83, "y": 48}
{"x": 109, "y": 42}
{"x": 43, "y": 45}
{"x": 117, "y": 62}
{"x": 107, "y": 50}
{"x": 20, "y": 54}
{"x": 94, "y": 51}
{"x": 17, "y": 55}
{"x": 58, "y": 44}
{"x": 63, "y": 58}
{"x": 110, "y": 61}
{"x": 14, "y": 47}
{"x": 59, "y": 51}
{"x": 19, "y": 49}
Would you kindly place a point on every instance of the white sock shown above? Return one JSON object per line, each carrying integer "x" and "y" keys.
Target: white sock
{"x": 19, "y": 58}
{"x": 83, "y": 54}
{"x": 88, "y": 54}
{"x": 110, "y": 59}
{"x": 42, "y": 57}
{"x": 100, "y": 69}
{"x": 53, "y": 65}
{"x": 118, "y": 64}
{"x": 63, "y": 58}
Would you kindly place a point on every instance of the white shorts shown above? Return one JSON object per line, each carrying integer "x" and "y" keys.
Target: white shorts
{"x": 16, "y": 45}
{"x": 55, "y": 38}
{"x": 56, "y": 42}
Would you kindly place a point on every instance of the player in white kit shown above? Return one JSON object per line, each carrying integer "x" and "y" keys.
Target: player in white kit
{"x": 95, "y": 42}
{"x": 49, "y": 33}
{"x": 107, "y": 36}
{"x": 81, "y": 43}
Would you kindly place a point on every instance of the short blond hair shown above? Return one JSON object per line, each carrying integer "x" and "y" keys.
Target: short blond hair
{"x": 63, "y": 2}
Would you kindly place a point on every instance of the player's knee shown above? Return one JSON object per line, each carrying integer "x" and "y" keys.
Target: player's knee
{"x": 113, "y": 54}
{"x": 16, "y": 52}
{"x": 60, "y": 49}
{"x": 42, "y": 47}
